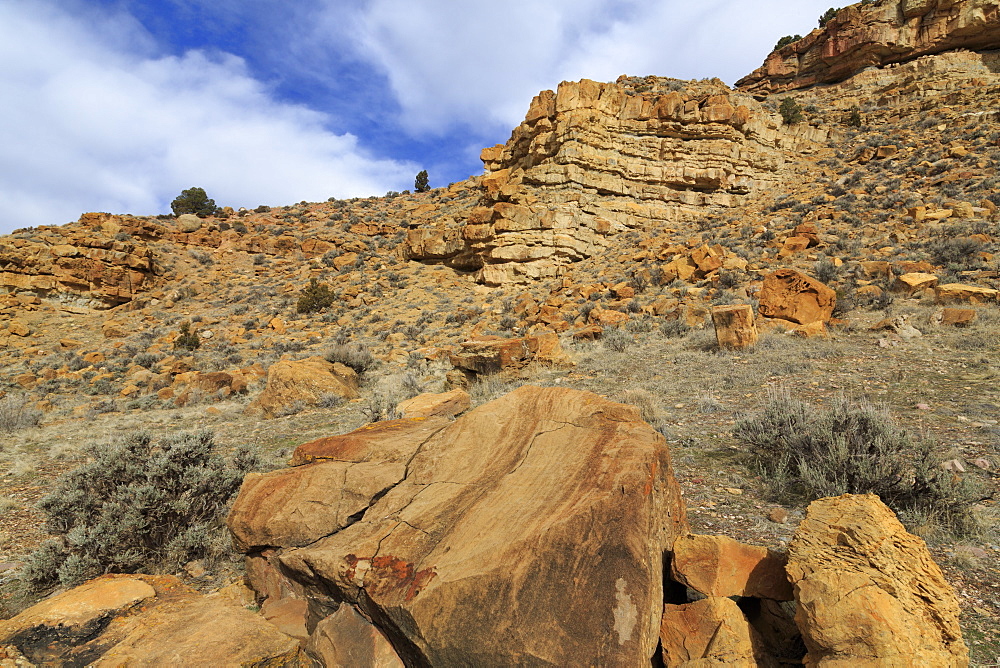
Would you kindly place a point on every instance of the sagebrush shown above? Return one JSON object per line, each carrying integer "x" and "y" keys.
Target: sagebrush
{"x": 139, "y": 504}
{"x": 855, "y": 447}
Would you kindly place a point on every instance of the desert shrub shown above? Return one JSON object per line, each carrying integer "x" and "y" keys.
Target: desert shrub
{"x": 617, "y": 339}
{"x": 676, "y": 328}
{"x": 315, "y": 297}
{"x": 146, "y": 360}
{"x": 854, "y": 447}
{"x": 17, "y": 412}
{"x": 854, "y": 119}
{"x": 193, "y": 200}
{"x": 790, "y": 111}
{"x": 826, "y": 270}
{"x": 955, "y": 250}
{"x": 357, "y": 356}
{"x": 137, "y": 505}
{"x": 187, "y": 340}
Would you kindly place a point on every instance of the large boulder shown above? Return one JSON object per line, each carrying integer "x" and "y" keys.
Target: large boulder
{"x": 793, "y": 296}
{"x": 530, "y": 531}
{"x": 491, "y": 354}
{"x": 868, "y": 591}
{"x": 304, "y": 381}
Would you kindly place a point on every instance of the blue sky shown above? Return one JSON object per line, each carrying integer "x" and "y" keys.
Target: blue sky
{"x": 118, "y": 105}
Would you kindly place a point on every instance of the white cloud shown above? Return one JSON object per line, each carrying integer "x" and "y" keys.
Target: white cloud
{"x": 453, "y": 62}
{"x": 94, "y": 119}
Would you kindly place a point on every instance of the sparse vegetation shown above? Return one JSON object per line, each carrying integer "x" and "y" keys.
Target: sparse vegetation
{"x": 186, "y": 339}
{"x": 791, "y": 112}
{"x": 421, "y": 183}
{"x": 855, "y": 447}
{"x": 786, "y": 40}
{"x": 315, "y": 297}
{"x": 140, "y": 504}
{"x": 18, "y": 412}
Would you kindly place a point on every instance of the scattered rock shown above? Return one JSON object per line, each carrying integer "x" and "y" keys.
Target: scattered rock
{"x": 721, "y": 566}
{"x": 710, "y": 632}
{"x": 734, "y": 326}
{"x": 448, "y": 404}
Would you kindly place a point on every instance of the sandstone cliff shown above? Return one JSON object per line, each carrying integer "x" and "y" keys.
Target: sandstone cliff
{"x": 874, "y": 35}
{"x": 592, "y": 160}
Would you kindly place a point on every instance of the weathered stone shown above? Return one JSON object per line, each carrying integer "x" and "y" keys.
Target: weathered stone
{"x": 910, "y": 284}
{"x": 970, "y": 294}
{"x": 957, "y": 317}
{"x": 721, "y": 566}
{"x": 295, "y": 507}
{"x": 868, "y": 592}
{"x": 790, "y": 295}
{"x": 393, "y": 441}
{"x": 307, "y": 381}
{"x": 188, "y": 222}
{"x": 734, "y": 326}
{"x": 345, "y": 639}
{"x": 874, "y": 35}
{"x": 18, "y": 328}
{"x": 570, "y": 474}
{"x": 447, "y": 404}
{"x": 493, "y": 354}
{"x": 710, "y": 632}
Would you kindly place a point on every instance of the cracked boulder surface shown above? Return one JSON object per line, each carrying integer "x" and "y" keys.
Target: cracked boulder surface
{"x": 530, "y": 531}
{"x": 868, "y": 591}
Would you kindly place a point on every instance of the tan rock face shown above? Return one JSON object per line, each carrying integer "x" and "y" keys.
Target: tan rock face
{"x": 710, "y": 632}
{"x": 393, "y": 441}
{"x": 594, "y": 159}
{"x": 878, "y": 34}
{"x": 868, "y": 592}
{"x": 734, "y": 326}
{"x": 549, "y": 505}
{"x": 721, "y": 566}
{"x": 345, "y": 639}
{"x": 790, "y": 295}
{"x": 304, "y": 380}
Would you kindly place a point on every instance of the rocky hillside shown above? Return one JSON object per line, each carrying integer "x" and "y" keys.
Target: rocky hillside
{"x": 621, "y": 244}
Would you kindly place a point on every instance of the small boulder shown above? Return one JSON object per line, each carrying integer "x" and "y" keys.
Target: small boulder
{"x": 188, "y": 222}
{"x": 790, "y": 295}
{"x": 346, "y": 639}
{"x": 734, "y": 326}
{"x": 956, "y": 317}
{"x": 721, "y": 566}
{"x": 710, "y": 632}
{"x": 18, "y": 328}
{"x": 306, "y": 380}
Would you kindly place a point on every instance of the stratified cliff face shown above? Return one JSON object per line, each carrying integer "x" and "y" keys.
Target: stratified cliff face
{"x": 882, "y": 33}
{"x": 594, "y": 159}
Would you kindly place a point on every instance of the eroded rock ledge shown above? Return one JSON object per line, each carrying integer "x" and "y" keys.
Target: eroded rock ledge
{"x": 592, "y": 160}
{"x": 886, "y": 32}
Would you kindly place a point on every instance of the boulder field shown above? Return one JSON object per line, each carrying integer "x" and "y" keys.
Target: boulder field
{"x": 545, "y": 528}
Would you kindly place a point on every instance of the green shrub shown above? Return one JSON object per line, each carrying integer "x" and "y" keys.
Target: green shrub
{"x": 790, "y": 111}
{"x": 786, "y": 40}
{"x": 138, "y": 505}
{"x": 854, "y": 447}
{"x": 315, "y": 297}
{"x": 421, "y": 184}
{"x": 194, "y": 200}
{"x": 854, "y": 120}
{"x": 187, "y": 340}
{"x": 827, "y": 16}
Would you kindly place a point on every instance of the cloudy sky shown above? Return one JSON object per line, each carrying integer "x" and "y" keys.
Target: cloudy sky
{"x": 118, "y": 105}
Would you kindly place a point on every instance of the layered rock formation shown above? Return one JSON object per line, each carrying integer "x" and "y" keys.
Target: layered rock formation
{"x": 594, "y": 159}
{"x": 874, "y": 35}
{"x": 531, "y": 531}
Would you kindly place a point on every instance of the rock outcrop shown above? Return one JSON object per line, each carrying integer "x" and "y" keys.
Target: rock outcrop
{"x": 874, "y": 35}
{"x": 530, "y": 530}
{"x": 868, "y": 591}
{"x": 594, "y": 159}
